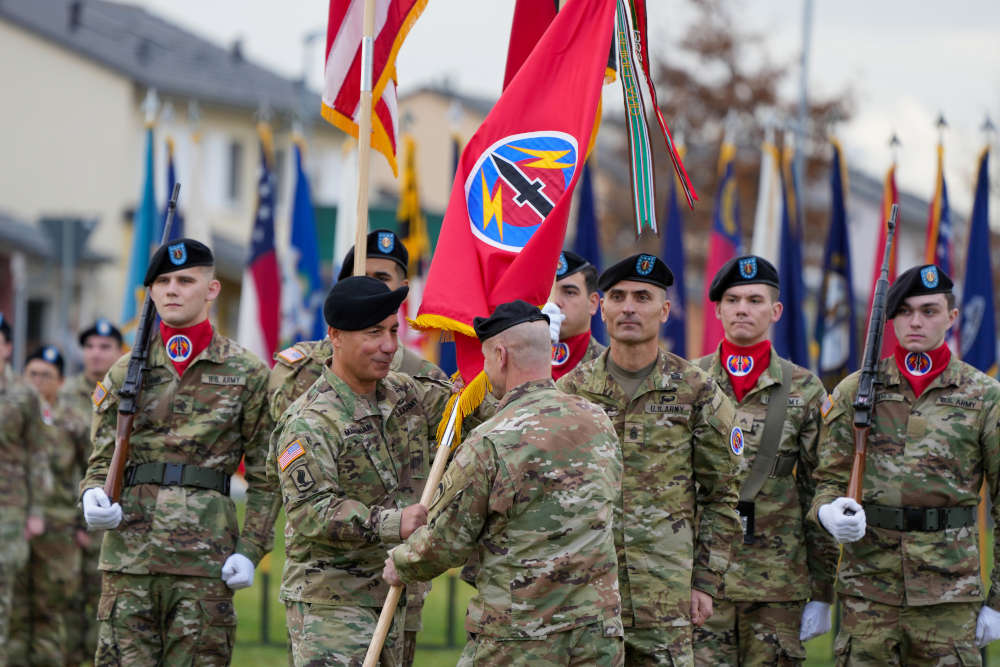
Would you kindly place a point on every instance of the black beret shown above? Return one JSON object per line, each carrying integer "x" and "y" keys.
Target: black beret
{"x": 102, "y": 327}
{"x": 182, "y": 254}
{"x": 570, "y": 263}
{"x": 745, "y": 270}
{"x": 49, "y": 354}
{"x": 5, "y": 327}
{"x": 926, "y": 279}
{"x": 383, "y": 244}
{"x": 641, "y": 268}
{"x": 358, "y": 302}
{"x": 505, "y": 316}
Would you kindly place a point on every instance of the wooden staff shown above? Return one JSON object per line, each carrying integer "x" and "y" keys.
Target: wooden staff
{"x": 392, "y": 599}
{"x": 364, "y": 137}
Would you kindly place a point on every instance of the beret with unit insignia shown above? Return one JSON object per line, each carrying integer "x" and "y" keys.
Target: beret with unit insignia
{"x": 570, "y": 263}
{"x": 745, "y": 270}
{"x": 916, "y": 281}
{"x": 505, "y": 316}
{"x": 383, "y": 244}
{"x": 359, "y": 302}
{"x": 181, "y": 254}
{"x": 49, "y": 354}
{"x": 102, "y": 327}
{"x": 642, "y": 268}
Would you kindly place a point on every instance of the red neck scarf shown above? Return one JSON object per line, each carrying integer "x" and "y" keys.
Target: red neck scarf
{"x": 183, "y": 345}
{"x": 744, "y": 365}
{"x": 566, "y": 354}
{"x": 920, "y": 368}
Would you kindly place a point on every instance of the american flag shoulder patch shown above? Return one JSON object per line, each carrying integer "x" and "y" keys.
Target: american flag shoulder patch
{"x": 100, "y": 393}
{"x": 292, "y": 355}
{"x": 291, "y": 452}
{"x": 827, "y": 405}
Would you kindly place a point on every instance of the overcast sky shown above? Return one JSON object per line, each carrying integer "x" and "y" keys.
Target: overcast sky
{"x": 905, "y": 62}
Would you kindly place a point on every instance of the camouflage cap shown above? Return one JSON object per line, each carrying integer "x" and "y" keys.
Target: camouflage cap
{"x": 745, "y": 270}
{"x": 383, "y": 244}
{"x": 181, "y": 254}
{"x": 926, "y": 279}
{"x": 358, "y": 302}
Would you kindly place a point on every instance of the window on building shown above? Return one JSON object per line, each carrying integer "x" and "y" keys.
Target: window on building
{"x": 234, "y": 183}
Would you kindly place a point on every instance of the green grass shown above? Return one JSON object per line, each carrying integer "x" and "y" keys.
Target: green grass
{"x": 432, "y": 643}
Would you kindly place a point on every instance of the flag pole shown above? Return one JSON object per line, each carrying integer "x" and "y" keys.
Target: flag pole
{"x": 430, "y": 488}
{"x": 364, "y": 137}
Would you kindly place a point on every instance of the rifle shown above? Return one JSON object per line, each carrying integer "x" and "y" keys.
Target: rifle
{"x": 864, "y": 399}
{"x": 128, "y": 395}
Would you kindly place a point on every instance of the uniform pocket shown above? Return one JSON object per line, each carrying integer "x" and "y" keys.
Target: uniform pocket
{"x": 790, "y": 649}
{"x": 968, "y": 655}
{"x": 219, "y": 611}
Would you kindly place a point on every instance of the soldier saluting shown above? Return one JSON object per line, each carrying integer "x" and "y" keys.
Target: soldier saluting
{"x": 173, "y": 551}
{"x": 909, "y": 577}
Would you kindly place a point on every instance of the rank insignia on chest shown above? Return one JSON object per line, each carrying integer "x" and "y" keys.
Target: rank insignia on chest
{"x": 100, "y": 393}
{"x": 292, "y": 355}
{"x": 291, "y": 452}
{"x": 736, "y": 440}
{"x": 179, "y": 348}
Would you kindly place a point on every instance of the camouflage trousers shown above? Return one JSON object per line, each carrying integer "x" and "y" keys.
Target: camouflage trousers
{"x": 326, "y": 635}
{"x": 666, "y": 645}
{"x": 585, "y": 645}
{"x": 750, "y": 633}
{"x": 43, "y": 598}
{"x": 879, "y": 634}
{"x": 81, "y": 626}
{"x": 163, "y": 619}
{"x": 13, "y": 556}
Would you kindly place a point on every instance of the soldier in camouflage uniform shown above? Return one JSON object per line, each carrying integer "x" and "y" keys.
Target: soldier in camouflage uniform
{"x": 25, "y": 480}
{"x": 46, "y": 589}
{"x": 783, "y": 559}
{"x": 170, "y": 567}
{"x": 532, "y": 491}
{"x": 350, "y": 456}
{"x": 572, "y": 303}
{"x": 909, "y": 577}
{"x": 101, "y": 344}
{"x": 681, "y": 447}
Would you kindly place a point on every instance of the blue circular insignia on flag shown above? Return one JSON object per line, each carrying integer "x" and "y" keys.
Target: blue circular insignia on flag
{"x": 386, "y": 242}
{"x": 748, "y": 267}
{"x": 178, "y": 253}
{"x": 644, "y": 265}
{"x": 179, "y": 348}
{"x": 560, "y": 354}
{"x": 516, "y": 183}
{"x": 739, "y": 365}
{"x": 736, "y": 440}
{"x": 929, "y": 277}
{"x": 918, "y": 363}
{"x": 563, "y": 266}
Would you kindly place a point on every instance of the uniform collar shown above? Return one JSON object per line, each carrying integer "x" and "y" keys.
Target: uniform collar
{"x": 218, "y": 349}
{"x": 771, "y": 376}
{"x": 950, "y": 377}
{"x": 657, "y": 378}
{"x": 387, "y": 395}
{"x": 522, "y": 389}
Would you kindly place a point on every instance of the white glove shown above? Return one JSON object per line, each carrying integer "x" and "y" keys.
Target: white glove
{"x": 987, "y": 626}
{"x": 99, "y": 511}
{"x": 815, "y": 620}
{"x": 844, "y": 527}
{"x": 556, "y": 317}
{"x": 237, "y": 572}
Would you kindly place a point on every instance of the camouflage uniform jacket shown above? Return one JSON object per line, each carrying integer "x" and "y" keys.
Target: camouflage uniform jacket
{"x": 531, "y": 491}
{"x": 678, "y": 519}
{"x": 345, "y": 469}
{"x": 79, "y": 392}
{"x": 66, "y": 434}
{"x": 791, "y": 558}
{"x": 211, "y": 417}
{"x": 25, "y": 480}
{"x": 298, "y": 367}
{"x": 594, "y": 350}
{"x": 928, "y": 451}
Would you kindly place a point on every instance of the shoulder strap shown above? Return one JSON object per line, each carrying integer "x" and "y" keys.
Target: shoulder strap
{"x": 763, "y": 462}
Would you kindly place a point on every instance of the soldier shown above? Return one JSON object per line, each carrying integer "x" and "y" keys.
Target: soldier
{"x": 24, "y": 479}
{"x": 101, "y": 343}
{"x": 171, "y": 566}
{"x": 681, "y": 447}
{"x": 573, "y": 301}
{"x": 909, "y": 577}
{"x": 532, "y": 491}
{"x": 783, "y": 560}
{"x": 350, "y": 456}
{"x": 46, "y": 588}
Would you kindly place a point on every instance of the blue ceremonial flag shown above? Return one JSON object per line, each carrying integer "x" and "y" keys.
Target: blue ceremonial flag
{"x": 587, "y": 243}
{"x": 308, "y": 318}
{"x": 978, "y": 335}
{"x": 674, "y": 331}
{"x": 790, "y": 331}
{"x": 143, "y": 225}
{"x": 177, "y": 229}
{"x": 835, "y": 339}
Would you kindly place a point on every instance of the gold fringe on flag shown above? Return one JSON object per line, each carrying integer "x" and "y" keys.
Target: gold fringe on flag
{"x": 468, "y": 400}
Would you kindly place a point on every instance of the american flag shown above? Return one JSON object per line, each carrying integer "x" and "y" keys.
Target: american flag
{"x": 292, "y": 452}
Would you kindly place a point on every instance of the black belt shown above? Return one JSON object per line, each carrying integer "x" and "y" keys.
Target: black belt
{"x": 177, "y": 474}
{"x": 923, "y": 519}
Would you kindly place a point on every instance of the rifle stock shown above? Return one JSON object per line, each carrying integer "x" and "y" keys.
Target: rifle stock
{"x": 864, "y": 399}
{"x": 128, "y": 395}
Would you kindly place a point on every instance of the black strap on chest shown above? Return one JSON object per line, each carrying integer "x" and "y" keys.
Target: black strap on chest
{"x": 767, "y": 452}
{"x": 177, "y": 474}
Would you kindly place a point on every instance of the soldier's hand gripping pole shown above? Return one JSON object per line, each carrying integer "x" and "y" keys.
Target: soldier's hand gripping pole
{"x": 433, "y": 479}
{"x": 864, "y": 400}
{"x": 129, "y": 393}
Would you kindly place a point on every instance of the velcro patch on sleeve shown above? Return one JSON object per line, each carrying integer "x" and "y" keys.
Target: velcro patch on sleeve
{"x": 292, "y": 355}
{"x": 100, "y": 393}
{"x": 827, "y": 406}
{"x": 292, "y": 451}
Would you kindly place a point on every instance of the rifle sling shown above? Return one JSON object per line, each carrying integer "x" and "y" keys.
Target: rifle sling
{"x": 770, "y": 439}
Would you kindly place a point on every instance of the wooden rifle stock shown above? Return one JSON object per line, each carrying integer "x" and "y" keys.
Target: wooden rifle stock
{"x": 858, "y": 466}
{"x": 128, "y": 395}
